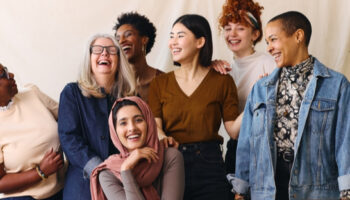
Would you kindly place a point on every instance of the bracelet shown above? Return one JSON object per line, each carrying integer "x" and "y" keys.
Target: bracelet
{"x": 41, "y": 173}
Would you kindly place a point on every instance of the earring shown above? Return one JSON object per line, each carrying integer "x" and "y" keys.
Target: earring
{"x": 144, "y": 49}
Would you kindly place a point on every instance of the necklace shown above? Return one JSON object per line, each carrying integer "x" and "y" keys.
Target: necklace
{"x": 4, "y": 108}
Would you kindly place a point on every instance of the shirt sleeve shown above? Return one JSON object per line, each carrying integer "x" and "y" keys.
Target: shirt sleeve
{"x": 229, "y": 99}
{"x": 49, "y": 103}
{"x": 113, "y": 188}
{"x": 154, "y": 98}
{"x": 342, "y": 137}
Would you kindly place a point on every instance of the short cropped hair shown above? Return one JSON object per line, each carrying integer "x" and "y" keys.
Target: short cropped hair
{"x": 200, "y": 27}
{"x": 292, "y": 21}
{"x": 124, "y": 84}
{"x": 141, "y": 23}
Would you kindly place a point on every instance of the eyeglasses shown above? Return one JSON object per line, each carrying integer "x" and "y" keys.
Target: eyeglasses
{"x": 5, "y": 73}
{"x": 97, "y": 49}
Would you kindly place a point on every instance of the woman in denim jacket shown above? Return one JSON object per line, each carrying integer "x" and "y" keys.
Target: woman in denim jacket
{"x": 295, "y": 136}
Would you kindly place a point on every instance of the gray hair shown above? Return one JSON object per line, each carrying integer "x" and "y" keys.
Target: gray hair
{"x": 125, "y": 83}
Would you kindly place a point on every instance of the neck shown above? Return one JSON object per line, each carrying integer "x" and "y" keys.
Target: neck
{"x": 105, "y": 81}
{"x": 301, "y": 56}
{"x": 191, "y": 70}
{"x": 242, "y": 54}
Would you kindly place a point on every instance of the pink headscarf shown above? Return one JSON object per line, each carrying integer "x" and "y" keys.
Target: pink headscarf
{"x": 145, "y": 173}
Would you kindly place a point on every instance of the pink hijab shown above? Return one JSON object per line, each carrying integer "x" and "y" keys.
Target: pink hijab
{"x": 145, "y": 173}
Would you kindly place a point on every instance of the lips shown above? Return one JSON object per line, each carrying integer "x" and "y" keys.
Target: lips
{"x": 126, "y": 48}
{"x": 234, "y": 42}
{"x": 133, "y": 136}
{"x": 276, "y": 56}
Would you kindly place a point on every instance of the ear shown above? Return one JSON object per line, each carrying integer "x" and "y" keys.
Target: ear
{"x": 200, "y": 42}
{"x": 255, "y": 34}
{"x": 299, "y": 36}
{"x": 144, "y": 40}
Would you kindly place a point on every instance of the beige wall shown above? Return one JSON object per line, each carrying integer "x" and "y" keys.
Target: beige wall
{"x": 42, "y": 41}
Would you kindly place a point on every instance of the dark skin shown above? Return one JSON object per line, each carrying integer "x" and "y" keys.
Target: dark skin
{"x": 52, "y": 161}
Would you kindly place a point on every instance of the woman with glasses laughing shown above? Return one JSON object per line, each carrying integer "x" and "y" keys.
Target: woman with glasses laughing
{"x": 31, "y": 164}
{"x": 84, "y": 108}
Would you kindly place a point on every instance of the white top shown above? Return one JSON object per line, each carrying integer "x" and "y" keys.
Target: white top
{"x": 29, "y": 130}
{"x": 245, "y": 72}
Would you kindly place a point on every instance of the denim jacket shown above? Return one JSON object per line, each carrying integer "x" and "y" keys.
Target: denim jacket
{"x": 321, "y": 167}
{"x": 84, "y": 136}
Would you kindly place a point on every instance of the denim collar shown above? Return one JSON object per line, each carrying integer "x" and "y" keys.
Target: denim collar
{"x": 319, "y": 71}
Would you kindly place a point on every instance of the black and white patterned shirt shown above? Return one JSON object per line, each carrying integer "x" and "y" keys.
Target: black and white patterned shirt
{"x": 292, "y": 85}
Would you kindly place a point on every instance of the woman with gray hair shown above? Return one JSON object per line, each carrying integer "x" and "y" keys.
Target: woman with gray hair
{"x": 84, "y": 108}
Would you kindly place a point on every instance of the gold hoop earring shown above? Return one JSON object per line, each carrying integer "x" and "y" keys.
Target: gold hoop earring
{"x": 144, "y": 49}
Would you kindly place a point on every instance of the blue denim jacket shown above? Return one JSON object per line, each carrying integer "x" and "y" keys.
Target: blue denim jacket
{"x": 84, "y": 136}
{"x": 322, "y": 148}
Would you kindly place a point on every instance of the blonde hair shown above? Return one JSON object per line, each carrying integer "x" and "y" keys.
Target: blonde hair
{"x": 124, "y": 84}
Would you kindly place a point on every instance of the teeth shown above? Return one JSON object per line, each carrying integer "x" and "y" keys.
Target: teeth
{"x": 103, "y": 62}
{"x": 126, "y": 47}
{"x": 176, "y": 50}
{"x": 133, "y": 136}
{"x": 234, "y": 41}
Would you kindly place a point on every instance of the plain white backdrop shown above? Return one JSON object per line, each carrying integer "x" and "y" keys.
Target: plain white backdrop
{"x": 42, "y": 41}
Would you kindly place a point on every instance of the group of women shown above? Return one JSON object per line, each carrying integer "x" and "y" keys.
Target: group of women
{"x": 117, "y": 145}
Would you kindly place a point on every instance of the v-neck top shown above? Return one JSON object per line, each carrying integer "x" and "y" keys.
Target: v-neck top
{"x": 197, "y": 117}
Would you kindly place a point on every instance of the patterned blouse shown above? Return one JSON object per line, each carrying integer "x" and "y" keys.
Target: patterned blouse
{"x": 292, "y": 85}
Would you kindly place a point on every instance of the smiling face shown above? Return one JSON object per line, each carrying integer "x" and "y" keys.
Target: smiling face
{"x": 104, "y": 63}
{"x": 183, "y": 44}
{"x": 240, "y": 38}
{"x": 130, "y": 42}
{"x": 8, "y": 87}
{"x": 282, "y": 47}
{"x": 131, "y": 127}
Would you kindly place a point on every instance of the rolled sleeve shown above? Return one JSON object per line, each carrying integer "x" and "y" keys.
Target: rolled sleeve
{"x": 91, "y": 165}
{"x": 238, "y": 185}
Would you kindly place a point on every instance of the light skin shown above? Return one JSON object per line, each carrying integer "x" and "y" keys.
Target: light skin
{"x": 185, "y": 48}
{"x": 132, "y": 45}
{"x": 287, "y": 50}
{"x": 104, "y": 65}
{"x": 131, "y": 129}
{"x": 51, "y": 162}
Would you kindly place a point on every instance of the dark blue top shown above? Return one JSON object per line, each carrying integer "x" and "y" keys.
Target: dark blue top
{"x": 84, "y": 136}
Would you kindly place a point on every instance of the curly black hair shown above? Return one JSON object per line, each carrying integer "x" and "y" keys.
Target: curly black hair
{"x": 140, "y": 23}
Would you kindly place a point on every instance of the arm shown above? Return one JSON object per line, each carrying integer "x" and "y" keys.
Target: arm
{"x": 70, "y": 129}
{"x": 232, "y": 127}
{"x": 342, "y": 138}
{"x": 168, "y": 141}
{"x": 113, "y": 188}
{"x": 12, "y": 182}
{"x": 221, "y": 66}
{"x": 50, "y": 104}
{"x": 240, "y": 180}
{"x": 173, "y": 172}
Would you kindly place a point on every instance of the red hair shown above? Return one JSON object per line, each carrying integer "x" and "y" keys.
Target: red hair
{"x": 235, "y": 11}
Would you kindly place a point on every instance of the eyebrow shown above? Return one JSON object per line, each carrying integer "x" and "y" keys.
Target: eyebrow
{"x": 271, "y": 36}
{"x": 124, "y": 118}
{"x": 178, "y": 32}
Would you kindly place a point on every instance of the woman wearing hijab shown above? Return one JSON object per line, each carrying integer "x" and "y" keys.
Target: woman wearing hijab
{"x": 143, "y": 169}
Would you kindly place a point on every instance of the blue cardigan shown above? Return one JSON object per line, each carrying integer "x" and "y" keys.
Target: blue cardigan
{"x": 84, "y": 136}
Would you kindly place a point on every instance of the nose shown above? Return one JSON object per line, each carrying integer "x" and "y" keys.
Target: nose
{"x": 269, "y": 48}
{"x": 105, "y": 52}
{"x": 121, "y": 39}
{"x": 131, "y": 127}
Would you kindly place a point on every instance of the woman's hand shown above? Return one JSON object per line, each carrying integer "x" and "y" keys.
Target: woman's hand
{"x": 169, "y": 142}
{"x": 51, "y": 162}
{"x": 239, "y": 197}
{"x": 136, "y": 155}
{"x": 221, "y": 66}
